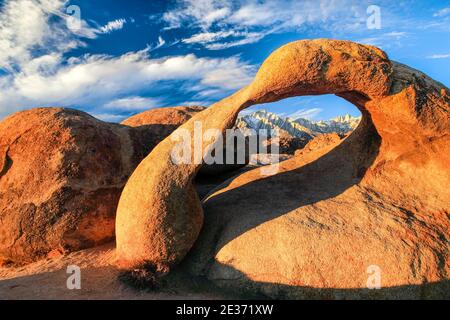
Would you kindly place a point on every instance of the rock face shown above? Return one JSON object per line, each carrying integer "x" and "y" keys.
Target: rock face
{"x": 377, "y": 201}
{"x": 170, "y": 116}
{"x": 61, "y": 175}
{"x": 161, "y": 224}
{"x": 62, "y": 172}
{"x": 157, "y": 124}
{"x": 287, "y": 144}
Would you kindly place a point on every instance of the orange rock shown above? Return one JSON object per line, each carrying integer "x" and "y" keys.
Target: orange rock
{"x": 156, "y": 124}
{"x": 62, "y": 172}
{"x": 159, "y": 215}
{"x": 61, "y": 175}
{"x": 173, "y": 117}
{"x": 380, "y": 197}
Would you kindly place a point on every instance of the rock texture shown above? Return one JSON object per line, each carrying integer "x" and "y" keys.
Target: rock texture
{"x": 170, "y": 116}
{"x": 61, "y": 175}
{"x": 155, "y": 125}
{"x": 62, "y": 172}
{"x": 379, "y": 197}
{"x": 160, "y": 224}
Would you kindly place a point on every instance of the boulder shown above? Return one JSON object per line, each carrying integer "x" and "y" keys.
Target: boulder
{"x": 288, "y": 144}
{"x": 62, "y": 172}
{"x": 155, "y": 125}
{"x": 172, "y": 117}
{"x": 61, "y": 175}
{"x": 328, "y": 222}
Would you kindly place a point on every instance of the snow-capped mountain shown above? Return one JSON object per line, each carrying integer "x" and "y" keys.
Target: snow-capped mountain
{"x": 300, "y": 128}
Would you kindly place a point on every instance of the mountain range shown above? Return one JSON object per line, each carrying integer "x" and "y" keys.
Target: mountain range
{"x": 300, "y": 127}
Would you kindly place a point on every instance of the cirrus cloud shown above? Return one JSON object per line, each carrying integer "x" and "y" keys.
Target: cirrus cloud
{"x": 224, "y": 24}
{"x": 114, "y": 25}
{"x": 439, "y": 56}
{"x": 35, "y": 69}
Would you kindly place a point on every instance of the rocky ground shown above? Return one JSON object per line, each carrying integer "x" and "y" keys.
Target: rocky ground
{"x": 47, "y": 279}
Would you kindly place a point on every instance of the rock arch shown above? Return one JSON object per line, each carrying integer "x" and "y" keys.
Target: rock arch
{"x": 159, "y": 216}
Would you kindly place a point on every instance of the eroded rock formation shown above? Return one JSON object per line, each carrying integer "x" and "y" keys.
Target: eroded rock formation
{"x": 169, "y": 116}
{"x": 60, "y": 182}
{"x": 62, "y": 172}
{"x": 379, "y": 197}
{"x": 61, "y": 175}
{"x": 161, "y": 224}
{"x": 155, "y": 125}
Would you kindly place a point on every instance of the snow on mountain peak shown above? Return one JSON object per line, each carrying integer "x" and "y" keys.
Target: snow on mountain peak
{"x": 300, "y": 127}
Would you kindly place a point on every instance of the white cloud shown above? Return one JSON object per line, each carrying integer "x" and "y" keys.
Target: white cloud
{"x": 305, "y": 113}
{"x": 32, "y": 29}
{"x": 260, "y": 14}
{"x": 439, "y": 56}
{"x": 441, "y": 13}
{"x": 216, "y": 40}
{"x": 35, "y": 71}
{"x": 208, "y": 37}
{"x": 113, "y": 26}
{"x": 132, "y": 104}
{"x": 201, "y": 12}
{"x": 216, "y": 15}
{"x": 97, "y": 80}
{"x": 109, "y": 117}
{"x": 229, "y": 74}
{"x": 248, "y": 38}
{"x": 209, "y": 93}
{"x": 242, "y": 22}
{"x": 385, "y": 40}
{"x": 161, "y": 43}
{"x": 24, "y": 26}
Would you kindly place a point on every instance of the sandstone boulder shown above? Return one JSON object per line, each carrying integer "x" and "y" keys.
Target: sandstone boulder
{"x": 343, "y": 209}
{"x": 82, "y": 165}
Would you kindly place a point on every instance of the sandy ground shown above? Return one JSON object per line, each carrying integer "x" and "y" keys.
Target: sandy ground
{"x": 47, "y": 279}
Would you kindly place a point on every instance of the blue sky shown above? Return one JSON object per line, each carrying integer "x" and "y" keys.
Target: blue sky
{"x": 123, "y": 57}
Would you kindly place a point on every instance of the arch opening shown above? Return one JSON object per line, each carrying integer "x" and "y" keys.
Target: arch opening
{"x": 304, "y": 115}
